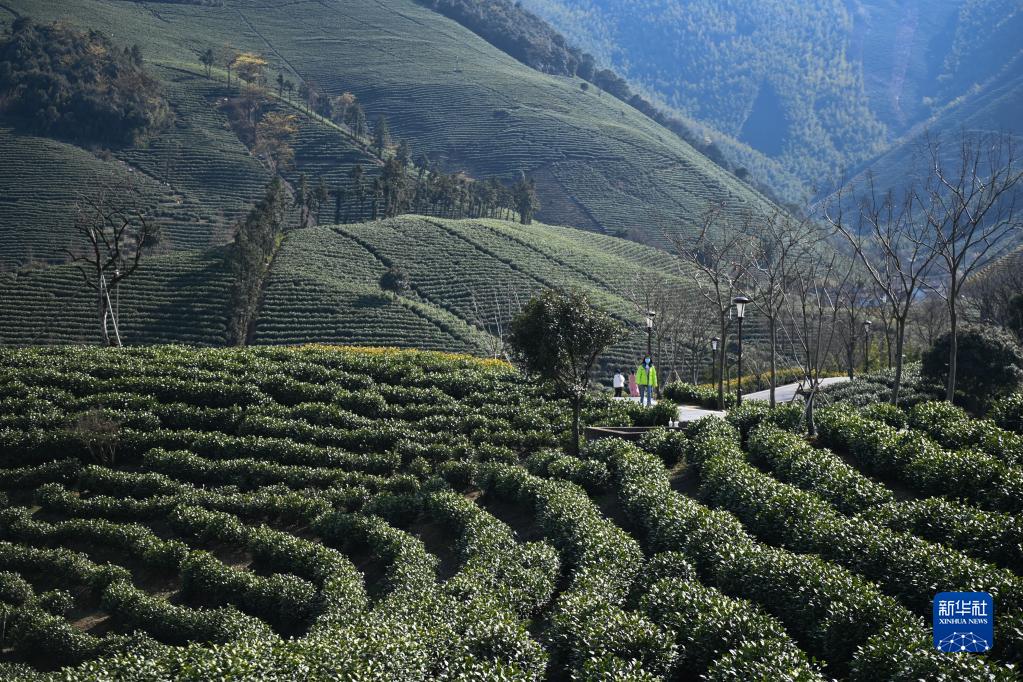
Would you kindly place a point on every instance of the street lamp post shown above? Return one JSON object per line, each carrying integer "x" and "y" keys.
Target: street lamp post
{"x": 650, "y": 333}
{"x": 740, "y": 312}
{"x": 866, "y": 346}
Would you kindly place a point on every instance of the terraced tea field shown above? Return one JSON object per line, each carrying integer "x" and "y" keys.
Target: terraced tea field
{"x": 198, "y": 177}
{"x": 599, "y": 163}
{"x": 467, "y": 276}
{"x": 315, "y": 513}
{"x": 179, "y": 297}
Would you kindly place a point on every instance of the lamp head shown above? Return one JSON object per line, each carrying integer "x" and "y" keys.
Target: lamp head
{"x": 740, "y": 306}
{"x": 714, "y": 343}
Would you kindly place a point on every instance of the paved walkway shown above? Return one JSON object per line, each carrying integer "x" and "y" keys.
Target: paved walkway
{"x": 687, "y": 413}
{"x": 787, "y": 393}
{"x": 782, "y": 394}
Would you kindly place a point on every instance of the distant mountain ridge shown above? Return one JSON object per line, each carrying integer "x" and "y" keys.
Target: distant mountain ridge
{"x": 819, "y": 87}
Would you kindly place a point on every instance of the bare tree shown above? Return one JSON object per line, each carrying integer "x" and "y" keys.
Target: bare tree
{"x": 695, "y": 334}
{"x": 817, "y": 286}
{"x": 884, "y": 312}
{"x": 717, "y": 259}
{"x": 893, "y": 244}
{"x": 854, "y": 301}
{"x": 671, "y": 305}
{"x": 928, "y": 321}
{"x": 969, "y": 203}
{"x": 99, "y": 433}
{"x": 773, "y": 243}
{"x": 494, "y": 319}
{"x": 115, "y": 229}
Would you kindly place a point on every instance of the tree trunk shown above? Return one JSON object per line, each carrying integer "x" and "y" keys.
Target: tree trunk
{"x": 888, "y": 345}
{"x": 101, "y": 311}
{"x": 900, "y": 334}
{"x": 576, "y": 407}
{"x": 953, "y": 348}
{"x": 721, "y": 365}
{"x": 811, "y": 400}
{"x": 774, "y": 352}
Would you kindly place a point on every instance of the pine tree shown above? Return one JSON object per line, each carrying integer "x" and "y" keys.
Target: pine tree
{"x": 339, "y": 195}
{"x": 378, "y": 191}
{"x": 358, "y": 190}
{"x": 404, "y": 154}
{"x": 382, "y": 136}
{"x": 301, "y": 201}
{"x": 526, "y": 199}
{"x": 356, "y": 120}
{"x": 249, "y": 256}
{"x": 320, "y": 197}
{"x": 207, "y": 59}
{"x": 394, "y": 185}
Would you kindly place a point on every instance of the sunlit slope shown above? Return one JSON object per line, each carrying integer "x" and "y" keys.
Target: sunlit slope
{"x": 466, "y": 279}
{"x": 598, "y": 162}
{"x": 198, "y": 176}
{"x": 179, "y": 297}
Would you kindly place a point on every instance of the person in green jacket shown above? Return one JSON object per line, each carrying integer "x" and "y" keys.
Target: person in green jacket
{"x": 646, "y": 377}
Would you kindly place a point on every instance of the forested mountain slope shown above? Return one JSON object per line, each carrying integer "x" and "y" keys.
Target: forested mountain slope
{"x": 820, "y": 87}
{"x": 458, "y": 101}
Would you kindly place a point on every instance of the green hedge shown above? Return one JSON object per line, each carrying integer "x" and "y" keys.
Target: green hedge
{"x": 718, "y": 638}
{"x": 917, "y": 461}
{"x": 792, "y": 460}
{"x": 952, "y": 428}
{"x": 904, "y": 565}
{"x": 1007, "y": 412}
{"x": 995, "y": 537}
{"x": 588, "y": 621}
{"x": 829, "y": 609}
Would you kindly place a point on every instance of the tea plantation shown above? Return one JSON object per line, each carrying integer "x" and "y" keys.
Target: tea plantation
{"x": 344, "y": 513}
{"x": 465, "y": 276}
{"x": 456, "y": 99}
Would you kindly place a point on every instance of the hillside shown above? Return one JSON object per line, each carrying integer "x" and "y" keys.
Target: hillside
{"x": 467, "y": 278}
{"x": 460, "y": 102}
{"x": 323, "y": 513}
{"x": 818, "y": 87}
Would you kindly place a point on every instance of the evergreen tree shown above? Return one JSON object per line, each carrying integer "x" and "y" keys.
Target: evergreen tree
{"x": 404, "y": 154}
{"x": 356, "y": 120}
{"x": 320, "y": 197}
{"x": 358, "y": 189}
{"x": 382, "y": 136}
{"x": 394, "y": 186}
{"x": 249, "y": 256}
{"x": 526, "y": 200}
{"x": 301, "y": 200}
{"x": 339, "y": 196}
{"x": 378, "y": 192}
{"x": 556, "y": 338}
{"x": 207, "y": 59}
